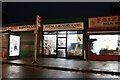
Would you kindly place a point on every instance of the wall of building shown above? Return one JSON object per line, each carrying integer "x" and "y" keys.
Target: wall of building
{"x": 26, "y": 44}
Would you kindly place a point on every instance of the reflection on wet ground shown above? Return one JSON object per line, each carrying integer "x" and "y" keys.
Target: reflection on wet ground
{"x": 11, "y": 71}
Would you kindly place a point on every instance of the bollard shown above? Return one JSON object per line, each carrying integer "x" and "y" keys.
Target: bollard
{"x": 3, "y": 54}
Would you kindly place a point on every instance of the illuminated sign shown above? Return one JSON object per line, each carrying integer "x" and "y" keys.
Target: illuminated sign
{"x": 18, "y": 28}
{"x": 14, "y": 45}
{"x": 109, "y": 21}
{"x": 65, "y": 26}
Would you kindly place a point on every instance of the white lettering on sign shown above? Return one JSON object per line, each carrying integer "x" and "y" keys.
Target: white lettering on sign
{"x": 65, "y": 26}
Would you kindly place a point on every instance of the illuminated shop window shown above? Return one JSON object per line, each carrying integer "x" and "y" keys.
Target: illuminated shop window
{"x": 49, "y": 47}
{"x": 14, "y": 45}
{"x": 74, "y": 44}
{"x": 62, "y": 34}
{"x": 104, "y": 44}
{"x": 50, "y": 33}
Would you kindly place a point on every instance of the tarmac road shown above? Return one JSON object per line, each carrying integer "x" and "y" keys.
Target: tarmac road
{"x": 13, "y": 71}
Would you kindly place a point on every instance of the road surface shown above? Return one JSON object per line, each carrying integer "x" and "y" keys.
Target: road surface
{"x": 12, "y": 71}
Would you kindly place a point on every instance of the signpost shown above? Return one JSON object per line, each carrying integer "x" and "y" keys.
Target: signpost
{"x": 38, "y": 21}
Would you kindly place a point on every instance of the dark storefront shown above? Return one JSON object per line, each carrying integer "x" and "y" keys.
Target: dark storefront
{"x": 26, "y": 33}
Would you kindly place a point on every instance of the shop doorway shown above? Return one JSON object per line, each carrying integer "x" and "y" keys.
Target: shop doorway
{"x": 61, "y": 47}
{"x": 61, "y": 44}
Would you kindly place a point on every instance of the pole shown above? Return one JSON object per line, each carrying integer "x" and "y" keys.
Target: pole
{"x": 35, "y": 46}
{"x": 36, "y": 38}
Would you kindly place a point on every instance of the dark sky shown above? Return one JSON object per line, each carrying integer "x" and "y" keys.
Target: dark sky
{"x": 18, "y": 12}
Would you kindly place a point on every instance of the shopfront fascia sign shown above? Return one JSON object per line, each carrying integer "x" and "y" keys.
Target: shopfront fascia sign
{"x": 18, "y": 28}
{"x": 65, "y": 26}
{"x": 100, "y": 22}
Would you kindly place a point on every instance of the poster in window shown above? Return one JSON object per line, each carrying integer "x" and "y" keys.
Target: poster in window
{"x": 14, "y": 45}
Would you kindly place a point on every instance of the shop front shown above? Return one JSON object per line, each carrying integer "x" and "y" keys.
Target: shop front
{"x": 64, "y": 40}
{"x": 103, "y": 38}
{"x": 17, "y": 41}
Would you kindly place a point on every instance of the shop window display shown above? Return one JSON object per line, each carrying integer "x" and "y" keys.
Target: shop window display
{"x": 14, "y": 45}
{"x": 74, "y": 45}
{"x": 104, "y": 44}
{"x": 49, "y": 45}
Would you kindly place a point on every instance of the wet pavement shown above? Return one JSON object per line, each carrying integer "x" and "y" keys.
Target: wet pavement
{"x": 12, "y": 71}
{"x": 108, "y": 67}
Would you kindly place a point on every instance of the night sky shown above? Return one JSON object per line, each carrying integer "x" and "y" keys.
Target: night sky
{"x": 18, "y": 12}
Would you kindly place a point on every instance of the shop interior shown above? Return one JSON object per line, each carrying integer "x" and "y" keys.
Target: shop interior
{"x": 104, "y": 44}
{"x": 63, "y": 43}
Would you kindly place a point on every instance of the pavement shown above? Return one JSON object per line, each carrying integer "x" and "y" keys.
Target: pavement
{"x": 104, "y": 67}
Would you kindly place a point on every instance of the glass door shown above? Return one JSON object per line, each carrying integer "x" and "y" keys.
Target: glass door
{"x": 61, "y": 44}
{"x": 61, "y": 47}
